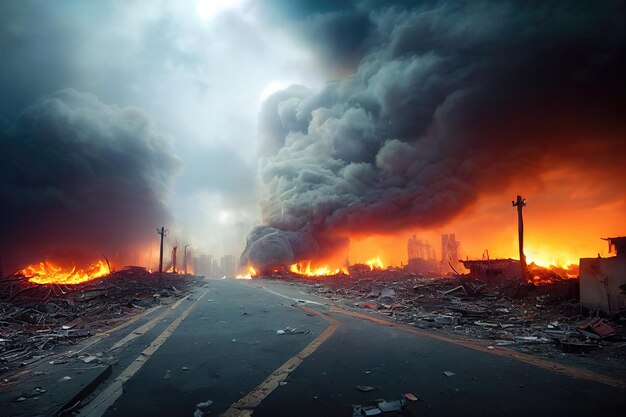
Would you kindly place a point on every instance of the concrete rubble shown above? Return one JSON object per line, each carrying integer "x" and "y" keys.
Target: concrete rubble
{"x": 35, "y": 319}
{"x": 544, "y": 319}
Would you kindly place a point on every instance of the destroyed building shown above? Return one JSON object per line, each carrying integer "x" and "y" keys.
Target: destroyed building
{"x": 603, "y": 280}
{"x": 421, "y": 256}
{"x": 449, "y": 253}
{"x": 493, "y": 269}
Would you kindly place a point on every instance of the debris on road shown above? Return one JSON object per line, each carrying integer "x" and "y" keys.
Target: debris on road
{"x": 365, "y": 388}
{"x": 36, "y": 318}
{"x": 289, "y": 330}
{"x": 381, "y": 407}
{"x": 410, "y": 396}
{"x": 448, "y": 373}
{"x": 544, "y": 319}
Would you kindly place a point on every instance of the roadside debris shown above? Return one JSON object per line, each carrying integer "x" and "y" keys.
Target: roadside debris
{"x": 289, "y": 330}
{"x": 448, "y": 373}
{"x": 544, "y": 319}
{"x": 365, "y": 388}
{"x": 382, "y": 406}
{"x": 202, "y": 408}
{"x": 410, "y": 396}
{"x": 35, "y": 318}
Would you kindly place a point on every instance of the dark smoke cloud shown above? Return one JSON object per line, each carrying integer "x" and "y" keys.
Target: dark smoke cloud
{"x": 450, "y": 101}
{"x": 77, "y": 174}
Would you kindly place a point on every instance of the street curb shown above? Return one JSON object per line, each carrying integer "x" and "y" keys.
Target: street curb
{"x": 83, "y": 393}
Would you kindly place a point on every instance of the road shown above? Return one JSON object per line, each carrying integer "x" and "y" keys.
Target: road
{"x": 225, "y": 347}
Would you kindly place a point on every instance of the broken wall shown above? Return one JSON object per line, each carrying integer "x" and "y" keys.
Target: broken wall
{"x": 600, "y": 280}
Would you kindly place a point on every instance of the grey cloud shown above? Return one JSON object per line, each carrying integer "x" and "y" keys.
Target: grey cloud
{"x": 456, "y": 99}
{"x": 77, "y": 173}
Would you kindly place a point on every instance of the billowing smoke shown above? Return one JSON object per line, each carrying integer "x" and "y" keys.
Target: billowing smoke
{"x": 449, "y": 101}
{"x": 78, "y": 176}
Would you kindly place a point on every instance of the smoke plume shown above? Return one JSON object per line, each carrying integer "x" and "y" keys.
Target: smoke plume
{"x": 448, "y": 101}
{"x": 79, "y": 176}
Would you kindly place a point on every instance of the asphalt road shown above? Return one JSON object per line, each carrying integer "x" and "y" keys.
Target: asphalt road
{"x": 228, "y": 345}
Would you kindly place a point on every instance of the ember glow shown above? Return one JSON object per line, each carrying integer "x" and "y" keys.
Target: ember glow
{"x": 305, "y": 268}
{"x": 251, "y": 272}
{"x": 375, "y": 263}
{"x": 50, "y": 273}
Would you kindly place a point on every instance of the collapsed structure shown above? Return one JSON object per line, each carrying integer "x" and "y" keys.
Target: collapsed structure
{"x": 603, "y": 280}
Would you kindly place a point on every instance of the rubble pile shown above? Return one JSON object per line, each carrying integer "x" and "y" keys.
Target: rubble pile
{"x": 503, "y": 313}
{"x": 35, "y": 318}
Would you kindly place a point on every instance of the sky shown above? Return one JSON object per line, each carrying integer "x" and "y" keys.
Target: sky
{"x": 299, "y": 130}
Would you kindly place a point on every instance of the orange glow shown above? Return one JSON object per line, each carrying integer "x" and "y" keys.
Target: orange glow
{"x": 305, "y": 268}
{"x": 50, "y": 273}
{"x": 567, "y": 214}
{"x": 375, "y": 263}
{"x": 549, "y": 257}
{"x": 250, "y": 273}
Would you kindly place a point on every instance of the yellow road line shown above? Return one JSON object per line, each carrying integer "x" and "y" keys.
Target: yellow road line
{"x": 245, "y": 406}
{"x": 542, "y": 363}
{"x": 106, "y": 399}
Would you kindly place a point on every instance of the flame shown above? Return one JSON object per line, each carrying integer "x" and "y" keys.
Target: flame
{"x": 304, "y": 268}
{"x": 375, "y": 263}
{"x": 547, "y": 258}
{"x": 251, "y": 273}
{"x": 48, "y": 273}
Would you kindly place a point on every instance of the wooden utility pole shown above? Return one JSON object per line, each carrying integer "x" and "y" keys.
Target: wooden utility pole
{"x": 162, "y": 232}
{"x": 520, "y": 203}
{"x": 174, "y": 259}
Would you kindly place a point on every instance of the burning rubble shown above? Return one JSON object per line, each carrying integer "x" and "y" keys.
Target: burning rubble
{"x": 47, "y": 272}
{"x": 503, "y": 312}
{"x": 500, "y": 301}
{"x": 43, "y": 306}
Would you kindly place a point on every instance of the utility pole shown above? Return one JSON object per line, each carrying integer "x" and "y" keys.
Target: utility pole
{"x": 174, "y": 258}
{"x": 162, "y": 232}
{"x": 520, "y": 203}
{"x": 185, "y": 259}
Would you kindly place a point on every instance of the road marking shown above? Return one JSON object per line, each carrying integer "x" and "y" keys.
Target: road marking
{"x": 542, "y": 363}
{"x": 100, "y": 336}
{"x": 139, "y": 331}
{"x": 300, "y": 300}
{"x": 102, "y": 402}
{"x": 245, "y": 406}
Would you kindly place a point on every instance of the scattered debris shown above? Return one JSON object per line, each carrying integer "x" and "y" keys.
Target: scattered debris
{"x": 289, "y": 330}
{"x": 205, "y": 405}
{"x": 387, "y": 406}
{"x": 448, "y": 373}
{"x": 381, "y": 407}
{"x": 35, "y": 318}
{"x": 544, "y": 318}
{"x": 411, "y": 397}
{"x": 365, "y": 388}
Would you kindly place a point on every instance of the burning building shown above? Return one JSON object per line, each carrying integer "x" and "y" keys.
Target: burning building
{"x": 493, "y": 269}
{"x": 421, "y": 256}
{"x": 449, "y": 253}
{"x": 603, "y": 280}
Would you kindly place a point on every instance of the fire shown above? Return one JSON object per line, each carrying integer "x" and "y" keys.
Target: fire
{"x": 547, "y": 258}
{"x": 251, "y": 273}
{"x": 49, "y": 273}
{"x": 375, "y": 263}
{"x": 304, "y": 268}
